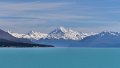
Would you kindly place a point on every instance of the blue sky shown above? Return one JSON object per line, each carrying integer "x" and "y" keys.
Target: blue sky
{"x": 45, "y": 15}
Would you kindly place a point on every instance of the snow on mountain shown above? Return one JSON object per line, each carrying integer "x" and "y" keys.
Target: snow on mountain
{"x": 6, "y": 36}
{"x": 103, "y": 39}
{"x": 31, "y": 35}
{"x": 67, "y": 34}
{"x": 62, "y": 37}
{"x": 59, "y": 33}
{"x": 109, "y": 33}
{"x": 17, "y": 35}
{"x": 37, "y": 35}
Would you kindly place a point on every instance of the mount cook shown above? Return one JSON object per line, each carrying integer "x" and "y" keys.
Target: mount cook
{"x": 62, "y": 37}
{"x": 59, "y": 33}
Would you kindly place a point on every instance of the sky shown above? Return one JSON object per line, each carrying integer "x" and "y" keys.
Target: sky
{"x": 45, "y": 15}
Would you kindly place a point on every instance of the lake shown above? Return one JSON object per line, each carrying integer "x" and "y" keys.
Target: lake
{"x": 59, "y": 58}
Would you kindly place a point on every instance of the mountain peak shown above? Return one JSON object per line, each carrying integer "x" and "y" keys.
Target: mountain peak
{"x": 110, "y": 33}
{"x": 58, "y": 33}
{"x": 67, "y": 34}
{"x": 61, "y": 29}
{"x": 31, "y": 32}
{"x": 31, "y": 35}
{"x": 106, "y": 31}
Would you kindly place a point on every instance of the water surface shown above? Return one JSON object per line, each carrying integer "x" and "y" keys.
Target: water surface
{"x": 59, "y": 58}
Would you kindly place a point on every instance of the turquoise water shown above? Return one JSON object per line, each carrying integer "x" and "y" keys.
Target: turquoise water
{"x": 59, "y": 58}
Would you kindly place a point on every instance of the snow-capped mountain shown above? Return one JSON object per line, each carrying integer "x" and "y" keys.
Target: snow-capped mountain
{"x": 59, "y": 33}
{"x": 6, "y": 36}
{"x": 103, "y": 39}
{"x": 67, "y": 34}
{"x": 104, "y": 36}
{"x": 32, "y": 35}
{"x": 37, "y": 35}
{"x": 7, "y": 40}
{"x": 62, "y": 37}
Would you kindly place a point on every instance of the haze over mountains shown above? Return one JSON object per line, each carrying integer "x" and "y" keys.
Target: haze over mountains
{"x": 62, "y": 37}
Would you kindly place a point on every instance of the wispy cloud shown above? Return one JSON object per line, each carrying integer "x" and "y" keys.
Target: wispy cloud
{"x": 49, "y": 17}
{"x": 71, "y": 13}
{"x": 10, "y": 10}
{"x": 29, "y": 6}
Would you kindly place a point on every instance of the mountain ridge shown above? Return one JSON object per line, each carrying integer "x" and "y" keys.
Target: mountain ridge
{"x": 103, "y": 39}
{"x": 62, "y": 37}
{"x": 7, "y": 40}
{"x": 58, "y": 33}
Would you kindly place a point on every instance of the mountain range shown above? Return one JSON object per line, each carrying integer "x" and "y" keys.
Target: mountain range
{"x": 7, "y": 40}
{"x": 103, "y": 39}
{"x": 58, "y": 33}
{"x": 62, "y": 37}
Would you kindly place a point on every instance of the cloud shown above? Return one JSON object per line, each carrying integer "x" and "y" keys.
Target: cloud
{"x": 29, "y": 6}
{"x": 86, "y": 14}
{"x": 48, "y": 17}
{"x": 50, "y": 11}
